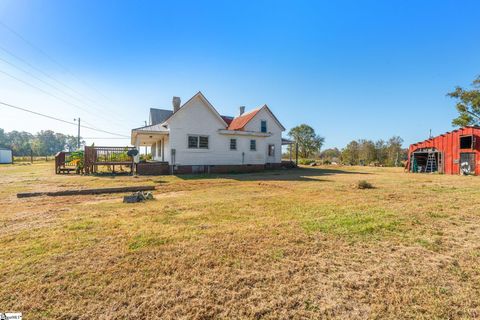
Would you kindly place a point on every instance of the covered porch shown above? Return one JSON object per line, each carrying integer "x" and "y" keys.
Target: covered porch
{"x": 155, "y": 140}
{"x": 291, "y": 145}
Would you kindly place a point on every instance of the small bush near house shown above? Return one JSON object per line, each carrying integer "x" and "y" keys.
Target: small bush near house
{"x": 364, "y": 184}
{"x": 306, "y": 162}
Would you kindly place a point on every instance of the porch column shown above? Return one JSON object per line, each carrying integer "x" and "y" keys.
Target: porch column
{"x": 136, "y": 158}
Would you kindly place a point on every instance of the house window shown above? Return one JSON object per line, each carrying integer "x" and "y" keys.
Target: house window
{"x": 466, "y": 142}
{"x": 233, "y": 144}
{"x": 197, "y": 142}
{"x": 159, "y": 148}
{"x": 271, "y": 150}
{"x": 253, "y": 145}
{"x": 263, "y": 126}
{"x": 203, "y": 142}
{"x": 192, "y": 142}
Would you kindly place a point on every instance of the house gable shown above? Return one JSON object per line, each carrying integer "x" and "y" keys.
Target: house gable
{"x": 193, "y": 101}
{"x": 255, "y": 117}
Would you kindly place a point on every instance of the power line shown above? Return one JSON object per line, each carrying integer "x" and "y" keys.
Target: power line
{"x": 49, "y": 84}
{"x": 39, "y": 79}
{"x": 61, "y": 120}
{"x": 45, "y": 92}
{"x": 52, "y": 59}
{"x": 90, "y": 124}
{"x": 51, "y": 94}
{"x": 39, "y": 70}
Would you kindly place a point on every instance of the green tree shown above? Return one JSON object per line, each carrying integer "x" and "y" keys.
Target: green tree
{"x": 309, "y": 143}
{"x": 20, "y": 142}
{"x": 4, "y": 141}
{"x": 332, "y": 154}
{"x": 71, "y": 143}
{"x": 44, "y": 143}
{"x": 48, "y": 143}
{"x": 468, "y": 105}
{"x": 350, "y": 154}
{"x": 395, "y": 152}
{"x": 366, "y": 151}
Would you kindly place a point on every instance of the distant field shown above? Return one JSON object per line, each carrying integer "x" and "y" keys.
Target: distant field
{"x": 300, "y": 243}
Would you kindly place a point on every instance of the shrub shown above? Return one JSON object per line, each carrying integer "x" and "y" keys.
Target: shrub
{"x": 364, "y": 184}
{"x": 306, "y": 161}
{"x": 78, "y": 158}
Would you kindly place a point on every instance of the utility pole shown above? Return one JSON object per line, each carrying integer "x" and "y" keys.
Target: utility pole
{"x": 78, "y": 136}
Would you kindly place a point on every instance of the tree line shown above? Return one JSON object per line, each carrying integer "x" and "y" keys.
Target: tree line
{"x": 357, "y": 152}
{"x": 43, "y": 143}
{"x": 388, "y": 153}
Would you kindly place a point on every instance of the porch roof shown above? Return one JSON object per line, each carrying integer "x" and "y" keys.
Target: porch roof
{"x": 148, "y": 134}
{"x": 287, "y": 141}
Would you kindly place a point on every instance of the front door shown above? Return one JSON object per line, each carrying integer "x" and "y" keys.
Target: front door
{"x": 467, "y": 163}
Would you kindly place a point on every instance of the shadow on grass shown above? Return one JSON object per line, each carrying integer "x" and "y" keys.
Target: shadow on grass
{"x": 296, "y": 174}
{"x": 110, "y": 175}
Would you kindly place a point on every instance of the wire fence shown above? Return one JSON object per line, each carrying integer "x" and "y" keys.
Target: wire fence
{"x": 33, "y": 159}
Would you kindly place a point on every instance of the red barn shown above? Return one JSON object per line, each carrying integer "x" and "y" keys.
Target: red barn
{"x": 455, "y": 152}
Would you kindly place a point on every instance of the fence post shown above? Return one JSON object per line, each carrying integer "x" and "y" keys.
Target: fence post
{"x": 296, "y": 153}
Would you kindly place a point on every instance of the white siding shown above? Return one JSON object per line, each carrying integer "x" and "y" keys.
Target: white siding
{"x": 275, "y": 138}
{"x": 197, "y": 118}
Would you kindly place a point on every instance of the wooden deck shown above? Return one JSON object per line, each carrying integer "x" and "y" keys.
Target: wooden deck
{"x": 108, "y": 157}
{"x": 63, "y": 164}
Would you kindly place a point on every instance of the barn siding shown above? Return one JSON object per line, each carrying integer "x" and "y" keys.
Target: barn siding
{"x": 449, "y": 144}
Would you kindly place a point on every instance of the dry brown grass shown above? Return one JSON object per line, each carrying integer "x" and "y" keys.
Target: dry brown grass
{"x": 284, "y": 244}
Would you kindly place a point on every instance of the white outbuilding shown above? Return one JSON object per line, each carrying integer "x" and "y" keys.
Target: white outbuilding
{"x": 5, "y": 156}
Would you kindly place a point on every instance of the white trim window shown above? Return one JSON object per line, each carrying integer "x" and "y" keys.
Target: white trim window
{"x": 197, "y": 142}
{"x": 233, "y": 144}
{"x": 253, "y": 145}
{"x": 263, "y": 126}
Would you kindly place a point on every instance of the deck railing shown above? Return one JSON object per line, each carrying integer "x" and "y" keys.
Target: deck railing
{"x": 107, "y": 156}
{"x": 63, "y": 163}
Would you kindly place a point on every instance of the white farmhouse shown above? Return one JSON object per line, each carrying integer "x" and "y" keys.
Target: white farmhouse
{"x": 194, "y": 137}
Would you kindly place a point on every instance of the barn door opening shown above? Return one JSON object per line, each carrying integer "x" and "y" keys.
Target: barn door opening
{"x": 426, "y": 161}
{"x": 467, "y": 163}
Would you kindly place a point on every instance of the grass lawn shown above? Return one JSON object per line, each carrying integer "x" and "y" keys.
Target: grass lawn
{"x": 300, "y": 243}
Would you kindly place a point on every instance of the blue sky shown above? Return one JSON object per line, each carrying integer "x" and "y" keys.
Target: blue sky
{"x": 350, "y": 69}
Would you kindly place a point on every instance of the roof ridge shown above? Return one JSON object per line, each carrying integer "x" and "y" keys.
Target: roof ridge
{"x": 253, "y": 110}
{"x": 160, "y": 109}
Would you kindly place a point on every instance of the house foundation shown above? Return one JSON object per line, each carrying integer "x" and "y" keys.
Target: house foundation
{"x": 162, "y": 168}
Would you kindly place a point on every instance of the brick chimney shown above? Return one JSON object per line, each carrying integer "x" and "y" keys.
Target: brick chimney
{"x": 176, "y": 103}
